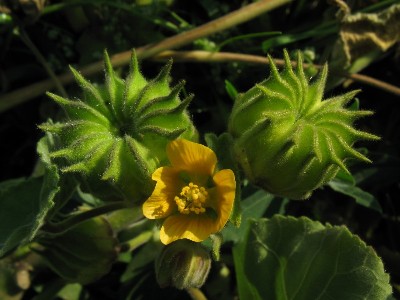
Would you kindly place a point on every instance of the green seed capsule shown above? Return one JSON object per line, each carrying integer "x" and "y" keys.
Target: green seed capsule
{"x": 289, "y": 140}
{"x": 116, "y": 135}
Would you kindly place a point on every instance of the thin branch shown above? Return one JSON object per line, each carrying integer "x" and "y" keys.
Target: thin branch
{"x": 218, "y": 57}
{"x": 232, "y": 19}
{"x": 374, "y": 82}
{"x": 28, "y": 42}
{"x": 9, "y": 100}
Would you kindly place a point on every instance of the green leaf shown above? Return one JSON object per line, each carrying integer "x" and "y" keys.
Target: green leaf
{"x": 230, "y": 89}
{"x": 246, "y": 37}
{"x": 70, "y": 291}
{"x": 25, "y": 203}
{"x": 50, "y": 187}
{"x": 87, "y": 198}
{"x": 321, "y": 31}
{"x": 297, "y": 258}
{"x": 355, "y": 105}
{"x": 253, "y": 206}
{"x": 56, "y": 189}
{"x": 20, "y": 209}
{"x": 345, "y": 177}
{"x": 363, "y": 198}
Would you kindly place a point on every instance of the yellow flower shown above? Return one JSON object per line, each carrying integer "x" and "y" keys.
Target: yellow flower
{"x": 193, "y": 200}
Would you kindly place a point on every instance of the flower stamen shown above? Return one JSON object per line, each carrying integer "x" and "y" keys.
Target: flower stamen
{"x": 191, "y": 199}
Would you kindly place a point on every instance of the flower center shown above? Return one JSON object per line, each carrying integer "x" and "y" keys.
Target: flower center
{"x": 191, "y": 199}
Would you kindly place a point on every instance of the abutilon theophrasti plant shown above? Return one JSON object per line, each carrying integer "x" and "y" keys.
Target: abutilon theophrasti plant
{"x": 289, "y": 140}
{"x": 115, "y": 136}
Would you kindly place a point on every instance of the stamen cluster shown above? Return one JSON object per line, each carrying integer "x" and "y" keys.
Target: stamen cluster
{"x": 192, "y": 199}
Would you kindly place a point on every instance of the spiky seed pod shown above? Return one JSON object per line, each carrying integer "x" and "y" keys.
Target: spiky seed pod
{"x": 289, "y": 140}
{"x": 116, "y": 136}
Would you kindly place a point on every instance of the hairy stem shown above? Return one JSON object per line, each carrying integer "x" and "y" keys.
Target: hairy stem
{"x": 63, "y": 226}
{"x": 136, "y": 242}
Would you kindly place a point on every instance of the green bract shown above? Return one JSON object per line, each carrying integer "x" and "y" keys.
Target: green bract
{"x": 287, "y": 138}
{"x": 116, "y": 135}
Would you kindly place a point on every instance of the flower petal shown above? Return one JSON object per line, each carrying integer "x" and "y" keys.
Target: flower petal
{"x": 193, "y": 227}
{"x": 198, "y": 227}
{"x": 161, "y": 202}
{"x": 225, "y": 186}
{"x": 191, "y": 157}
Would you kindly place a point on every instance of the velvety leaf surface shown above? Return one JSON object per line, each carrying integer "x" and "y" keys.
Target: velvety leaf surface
{"x": 296, "y": 258}
{"x": 25, "y": 203}
{"x": 50, "y": 186}
{"x": 20, "y": 205}
{"x": 253, "y": 206}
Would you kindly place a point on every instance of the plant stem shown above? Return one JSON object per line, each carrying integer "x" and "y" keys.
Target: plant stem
{"x": 232, "y": 19}
{"x": 196, "y": 294}
{"x": 374, "y": 82}
{"x": 218, "y": 57}
{"x": 136, "y": 242}
{"x": 63, "y": 226}
{"x": 19, "y": 96}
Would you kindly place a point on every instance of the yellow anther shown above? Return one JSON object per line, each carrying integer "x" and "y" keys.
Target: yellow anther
{"x": 191, "y": 199}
